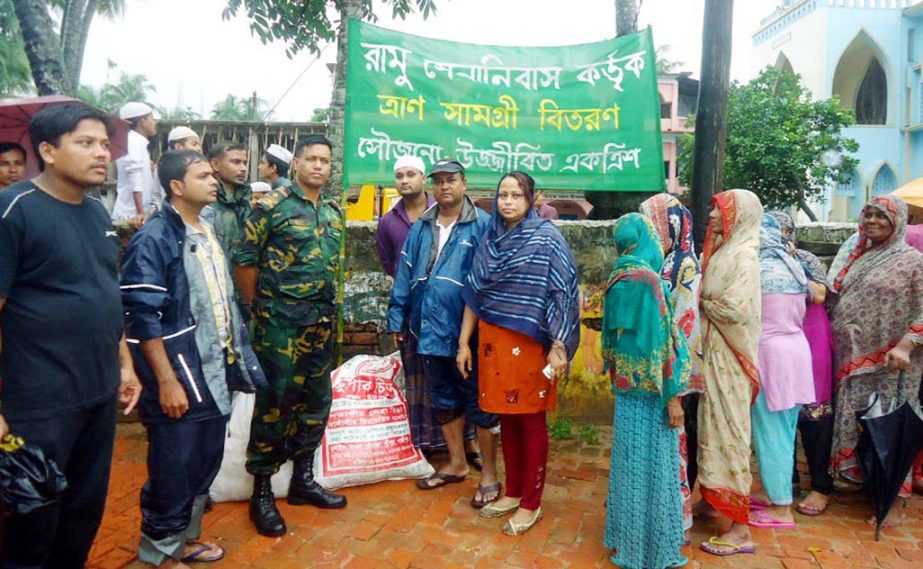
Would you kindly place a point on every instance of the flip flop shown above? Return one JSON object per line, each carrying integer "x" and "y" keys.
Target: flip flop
{"x": 442, "y": 477}
{"x": 757, "y": 504}
{"x": 484, "y": 490}
{"x": 709, "y": 547}
{"x": 198, "y": 554}
{"x": 474, "y": 459}
{"x": 763, "y": 519}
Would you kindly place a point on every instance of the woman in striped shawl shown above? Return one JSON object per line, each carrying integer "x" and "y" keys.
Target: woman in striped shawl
{"x": 521, "y": 295}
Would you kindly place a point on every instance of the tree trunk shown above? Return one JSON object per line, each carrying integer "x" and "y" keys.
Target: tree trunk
{"x": 73, "y": 38}
{"x": 42, "y": 46}
{"x": 711, "y": 116}
{"x": 606, "y": 204}
{"x": 337, "y": 117}
{"x": 626, "y": 17}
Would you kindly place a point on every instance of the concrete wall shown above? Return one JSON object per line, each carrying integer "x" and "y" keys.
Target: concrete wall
{"x": 585, "y": 394}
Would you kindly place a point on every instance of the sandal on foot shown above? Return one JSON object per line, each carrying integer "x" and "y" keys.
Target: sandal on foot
{"x": 495, "y": 511}
{"x": 513, "y": 528}
{"x": 757, "y": 504}
{"x": 810, "y": 510}
{"x": 474, "y": 460}
{"x": 494, "y": 489}
{"x": 441, "y": 479}
{"x": 203, "y": 552}
{"x": 763, "y": 519}
{"x": 711, "y": 546}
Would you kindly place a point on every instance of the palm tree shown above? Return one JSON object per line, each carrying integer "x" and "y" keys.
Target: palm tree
{"x": 664, "y": 65}
{"x": 54, "y": 35}
{"x": 182, "y": 114}
{"x": 131, "y": 87}
{"x": 111, "y": 96}
{"x": 15, "y": 75}
{"x": 233, "y": 108}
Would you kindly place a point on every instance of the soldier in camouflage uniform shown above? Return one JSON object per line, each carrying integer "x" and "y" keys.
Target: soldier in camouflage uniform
{"x": 229, "y": 214}
{"x": 288, "y": 262}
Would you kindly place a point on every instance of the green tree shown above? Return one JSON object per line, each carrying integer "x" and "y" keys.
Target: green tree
{"x": 130, "y": 87}
{"x": 781, "y": 144}
{"x": 183, "y": 114}
{"x": 15, "y": 75}
{"x": 321, "y": 114}
{"x": 54, "y": 36}
{"x": 665, "y": 65}
{"x": 305, "y": 25}
{"x": 234, "y": 108}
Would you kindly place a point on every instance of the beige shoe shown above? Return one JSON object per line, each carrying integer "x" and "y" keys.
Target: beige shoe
{"x": 513, "y": 528}
{"x": 492, "y": 510}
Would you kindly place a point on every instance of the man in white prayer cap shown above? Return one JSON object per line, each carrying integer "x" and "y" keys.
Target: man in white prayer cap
{"x": 184, "y": 138}
{"x": 257, "y": 191}
{"x": 274, "y": 166}
{"x": 137, "y": 191}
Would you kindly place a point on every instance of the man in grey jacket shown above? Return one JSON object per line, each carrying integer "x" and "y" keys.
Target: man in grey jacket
{"x": 179, "y": 299}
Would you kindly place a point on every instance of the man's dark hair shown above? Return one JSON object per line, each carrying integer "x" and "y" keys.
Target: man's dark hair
{"x": 7, "y": 146}
{"x": 173, "y": 166}
{"x": 218, "y": 150}
{"x": 311, "y": 140}
{"x": 281, "y": 167}
{"x": 52, "y": 122}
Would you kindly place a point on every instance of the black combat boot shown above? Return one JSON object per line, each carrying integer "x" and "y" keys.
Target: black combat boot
{"x": 263, "y": 509}
{"x": 304, "y": 490}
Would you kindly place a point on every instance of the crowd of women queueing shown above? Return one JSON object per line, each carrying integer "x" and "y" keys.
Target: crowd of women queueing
{"x": 714, "y": 357}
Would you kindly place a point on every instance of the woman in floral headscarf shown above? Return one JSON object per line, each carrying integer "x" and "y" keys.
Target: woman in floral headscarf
{"x": 647, "y": 358}
{"x": 681, "y": 270}
{"x": 731, "y": 334}
{"x": 877, "y": 320}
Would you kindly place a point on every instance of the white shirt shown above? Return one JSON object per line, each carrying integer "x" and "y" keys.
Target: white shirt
{"x": 444, "y": 233}
{"x": 135, "y": 174}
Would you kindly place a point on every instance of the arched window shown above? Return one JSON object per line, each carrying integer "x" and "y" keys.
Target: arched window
{"x": 783, "y": 64}
{"x": 861, "y": 81}
{"x": 885, "y": 181}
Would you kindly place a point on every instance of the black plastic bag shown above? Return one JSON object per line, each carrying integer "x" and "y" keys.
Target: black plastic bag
{"x": 28, "y": 479}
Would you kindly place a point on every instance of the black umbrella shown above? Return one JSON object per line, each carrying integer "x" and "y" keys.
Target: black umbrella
{"x": 889, "y": 441}
{"x": 28, "y": 479}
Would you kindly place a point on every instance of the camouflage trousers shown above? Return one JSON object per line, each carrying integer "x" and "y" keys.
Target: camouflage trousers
{"x": 290, "y": 416}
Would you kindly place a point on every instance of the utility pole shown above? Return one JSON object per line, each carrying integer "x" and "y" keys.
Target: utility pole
{"x": 711, "y": 114}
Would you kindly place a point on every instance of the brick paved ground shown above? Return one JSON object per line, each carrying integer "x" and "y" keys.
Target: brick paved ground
{"x": 394, "y": 525}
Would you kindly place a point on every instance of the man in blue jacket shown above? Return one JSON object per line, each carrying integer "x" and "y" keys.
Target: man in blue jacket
{"x": 191, "y": 352}
{"x": 426, "y": 302}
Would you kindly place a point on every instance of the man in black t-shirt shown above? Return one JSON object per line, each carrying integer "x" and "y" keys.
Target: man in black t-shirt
{"x": 63, "y": 356}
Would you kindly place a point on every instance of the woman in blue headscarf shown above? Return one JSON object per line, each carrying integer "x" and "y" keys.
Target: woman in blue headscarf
{"x": 784, "y": 357}
{"x": 522, "y": 296}
{"x": 648, "y": 361}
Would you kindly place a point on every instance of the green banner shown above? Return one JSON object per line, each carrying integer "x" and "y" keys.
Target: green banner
{"x": 581, "y": 117}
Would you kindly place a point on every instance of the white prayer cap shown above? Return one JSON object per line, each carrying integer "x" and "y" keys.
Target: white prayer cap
{"x": 134, "y": 110}
{"x": 410, "y": 162}
{"x": 279, "y": 152}
{"x": 181, "y": 133}
{"x": 259, "y": 187}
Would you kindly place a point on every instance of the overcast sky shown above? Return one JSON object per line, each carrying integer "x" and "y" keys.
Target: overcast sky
{"x": 194, "y": 58}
